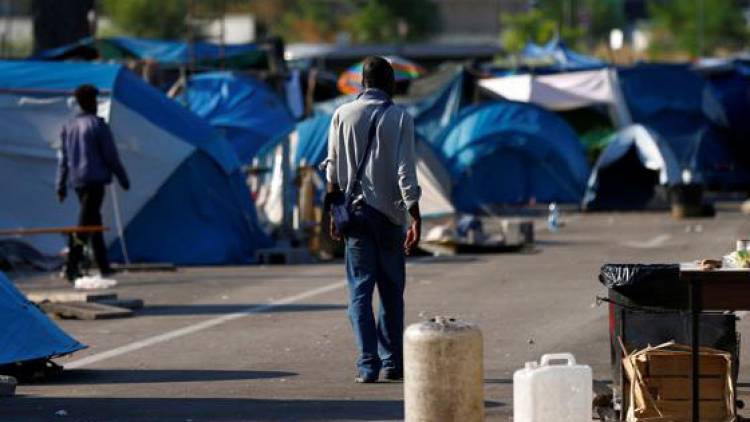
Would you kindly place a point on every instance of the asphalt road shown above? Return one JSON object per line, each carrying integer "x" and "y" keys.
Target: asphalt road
{"x": 274, "y": 343}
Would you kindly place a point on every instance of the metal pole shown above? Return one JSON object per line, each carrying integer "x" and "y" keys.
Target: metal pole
{"x": 700, "y": 28}
{"x": 222, "y": 52}
{"x": 695, "y": 314}
{"x": 191, "y": 37}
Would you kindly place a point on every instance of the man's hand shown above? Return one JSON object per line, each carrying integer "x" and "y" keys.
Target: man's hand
{"x": 413, "y": 236}
{"x": 61, "y": 195}
{"x": 335, "y": 235}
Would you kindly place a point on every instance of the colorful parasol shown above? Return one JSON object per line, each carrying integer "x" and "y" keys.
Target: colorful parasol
{"x": 350, "y": 82}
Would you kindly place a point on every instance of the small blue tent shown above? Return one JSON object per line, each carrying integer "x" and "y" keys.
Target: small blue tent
{"x": 245, "y": 110}
{"x": 669, "y": 99}
{"x": 188, "y": 203}
{"x": 633, "y": 172}
{"x": 512, "y": 153}
{"x": 27, "y": 333}
{"x": 561, "y": 57}
{"x": 164, "y": 52}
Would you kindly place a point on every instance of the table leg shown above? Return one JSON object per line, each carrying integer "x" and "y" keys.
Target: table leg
{"x": 695, "y": 314}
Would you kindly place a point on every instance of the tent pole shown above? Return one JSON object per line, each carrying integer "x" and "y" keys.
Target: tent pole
{"x": 118, "y": 223}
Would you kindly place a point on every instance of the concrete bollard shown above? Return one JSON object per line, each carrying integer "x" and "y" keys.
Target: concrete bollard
{"x": 443, "y": 372}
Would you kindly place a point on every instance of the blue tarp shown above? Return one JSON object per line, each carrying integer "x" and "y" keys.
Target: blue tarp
{"x": 246, "y": 111}
{"x": 434, "y": 113}
{"x": 27, "y": 333}
{"x": 512, "y": 153}
{"x": 161, "y": 51}
{"x": 312, "y": 140}
{"x": 192, "y": 207}
{"x": 562, "y": 57}
{"x": 669, "y": 99}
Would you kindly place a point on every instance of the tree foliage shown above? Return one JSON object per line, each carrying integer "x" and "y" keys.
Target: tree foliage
{"x": 676, "y": 26}
{"x": 149, "y": 18}
{"x": 576, "y": 22}
{"x": 363, "y": 20}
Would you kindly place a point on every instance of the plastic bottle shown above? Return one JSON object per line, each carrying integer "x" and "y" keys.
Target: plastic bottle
{"x": 553, "y": 220}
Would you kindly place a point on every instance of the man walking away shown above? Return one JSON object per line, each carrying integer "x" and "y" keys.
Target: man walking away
{"x": 88, "y": 158}
{"x": 385, "y": 188}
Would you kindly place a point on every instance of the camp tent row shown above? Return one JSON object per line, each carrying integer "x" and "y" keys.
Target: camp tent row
{"x": 165, "y": 52}
{"x": 697, "y": 119}
{"x": 188, "y": 203}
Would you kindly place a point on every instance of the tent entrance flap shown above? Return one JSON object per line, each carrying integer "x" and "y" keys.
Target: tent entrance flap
{"x": 627, "y": 184}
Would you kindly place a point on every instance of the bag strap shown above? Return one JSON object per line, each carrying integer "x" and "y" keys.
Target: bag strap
{"x": 370, "y": 137}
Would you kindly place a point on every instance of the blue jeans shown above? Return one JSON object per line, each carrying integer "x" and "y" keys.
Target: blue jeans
{"x": 375, "y": 257}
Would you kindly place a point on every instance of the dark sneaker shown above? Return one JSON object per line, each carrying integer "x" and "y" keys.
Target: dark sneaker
{"x": 369, "y": 379}
{"x": 393, "y": 375}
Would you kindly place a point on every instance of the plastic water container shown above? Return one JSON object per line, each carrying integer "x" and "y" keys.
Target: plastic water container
{"x": 555, "y": 389}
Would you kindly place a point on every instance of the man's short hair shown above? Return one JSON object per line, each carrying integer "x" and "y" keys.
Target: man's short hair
{"x": 377, "y": 72}
{"x": 86, "y": 96}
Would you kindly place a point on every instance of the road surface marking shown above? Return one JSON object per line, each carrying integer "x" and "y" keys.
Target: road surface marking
{"x": 652, "y": 243}
{"x": 192, "y": 329}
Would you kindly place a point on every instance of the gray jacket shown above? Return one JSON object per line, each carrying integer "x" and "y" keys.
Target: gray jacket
{"x": 389, "y": 180}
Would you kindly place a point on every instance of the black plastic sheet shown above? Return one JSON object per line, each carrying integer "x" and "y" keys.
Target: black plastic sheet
{"x": 654, "y": 285}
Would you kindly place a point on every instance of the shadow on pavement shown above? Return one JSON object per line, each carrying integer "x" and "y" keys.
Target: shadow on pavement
{"x": 30, "y": 409}
{"x": 227, "y": 308}
{"x": 145, "y": 376}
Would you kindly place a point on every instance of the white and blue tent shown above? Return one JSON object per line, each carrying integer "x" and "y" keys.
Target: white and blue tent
{"x": 188, "y": 203}
{"x": 309, "y": 146}
{"x": 27, "y": 333}
{"x": 629, "y": 172}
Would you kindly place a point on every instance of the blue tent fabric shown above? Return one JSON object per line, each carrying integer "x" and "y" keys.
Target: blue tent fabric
{"x": 27, "y": 333}
{"x": 512, "y": 153}
{"x": 562, "y": 57}
{"x": 204, "y": 201}
{"x": 162, "y": 51}
{"x": 215, "y": 224}
{"x": 434, "y": 113}
{"x": 247, "y": 111}
{"x": 670, "y": 100}
{"x": 727, "y": 99}
{"x": 312, "y": 140}
{"x": 31, "y": 77}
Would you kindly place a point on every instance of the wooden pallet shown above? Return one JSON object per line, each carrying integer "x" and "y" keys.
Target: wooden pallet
{"x": 69, "y": 295}
{"x": 84, "y": 310}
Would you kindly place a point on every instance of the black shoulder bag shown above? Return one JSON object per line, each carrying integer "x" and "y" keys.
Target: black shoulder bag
{"x": 342, "y": 204}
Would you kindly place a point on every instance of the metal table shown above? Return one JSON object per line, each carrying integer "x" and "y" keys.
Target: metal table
{"x": 713, "y": 290}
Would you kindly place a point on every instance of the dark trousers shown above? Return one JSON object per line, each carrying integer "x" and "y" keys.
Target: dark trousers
{"x": 90, "y": 198}
{"x": 375, "y": 259}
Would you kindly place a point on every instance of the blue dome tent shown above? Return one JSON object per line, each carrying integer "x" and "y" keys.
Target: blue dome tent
{"x": 512, "y": 153}
{"x": 188, "y": 204}
{"x": 27, "y": 333}
{"x": 246, "y": 111}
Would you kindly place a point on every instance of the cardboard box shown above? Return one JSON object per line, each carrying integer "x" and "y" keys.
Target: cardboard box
{"x": 660, "y": 386}
{"x": 680, "y": 388}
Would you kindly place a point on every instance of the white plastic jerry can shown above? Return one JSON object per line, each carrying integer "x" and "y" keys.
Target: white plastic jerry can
{"x": 549, "y": 391}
